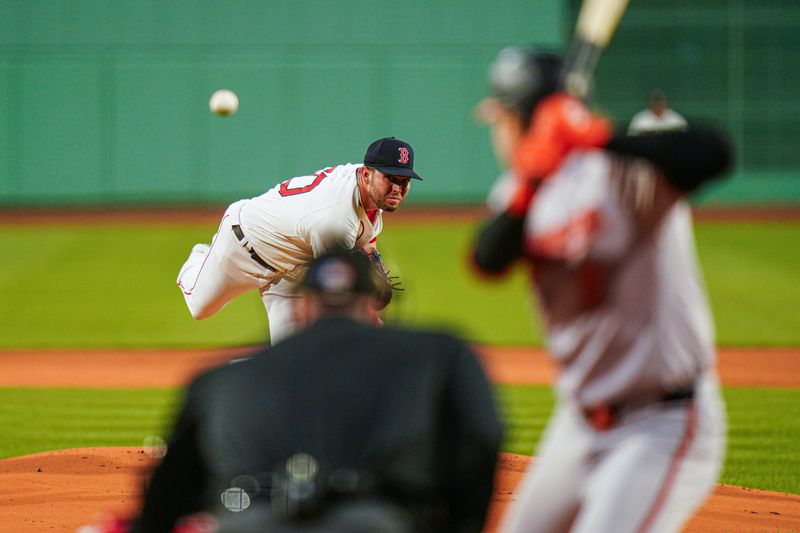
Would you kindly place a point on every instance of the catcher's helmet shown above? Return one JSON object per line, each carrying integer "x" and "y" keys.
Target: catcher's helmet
{"x": 519, "y": 77}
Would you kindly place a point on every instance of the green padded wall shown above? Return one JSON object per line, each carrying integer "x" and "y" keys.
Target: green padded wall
{"x": 105, "y": 102}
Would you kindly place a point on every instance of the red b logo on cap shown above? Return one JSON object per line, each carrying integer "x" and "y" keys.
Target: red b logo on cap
{"x": 403, "y": 155}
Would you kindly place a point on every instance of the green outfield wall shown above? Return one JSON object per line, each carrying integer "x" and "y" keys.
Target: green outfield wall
{"x": 105, "y": 102}
{"x": 732, "y": 62}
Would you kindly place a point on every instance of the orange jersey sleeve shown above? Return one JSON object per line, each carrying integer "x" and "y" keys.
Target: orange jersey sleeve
{"x": 559, "y": 124}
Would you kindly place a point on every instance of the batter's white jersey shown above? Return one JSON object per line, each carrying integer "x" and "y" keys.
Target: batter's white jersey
{"x": 637, "y": 439}
{"x": 621, "y": 294}
{"x": 303, "y": 217}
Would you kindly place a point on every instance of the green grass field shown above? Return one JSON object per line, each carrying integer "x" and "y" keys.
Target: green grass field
{"x": 762, "y": 451}
{"x": 42, "y": 419}
{"x": 110, "y": 286}
{"x": 763, "y": 431}
{"x": 114, "y": 286}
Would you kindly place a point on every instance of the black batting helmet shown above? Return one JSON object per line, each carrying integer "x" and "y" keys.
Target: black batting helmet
{"x": 519, "y": 78}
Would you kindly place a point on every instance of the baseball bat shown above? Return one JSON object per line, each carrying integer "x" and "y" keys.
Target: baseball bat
{"x": 597, "y": 21}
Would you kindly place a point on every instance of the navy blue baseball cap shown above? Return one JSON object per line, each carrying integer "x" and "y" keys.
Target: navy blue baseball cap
{"x": 391, "y": 156}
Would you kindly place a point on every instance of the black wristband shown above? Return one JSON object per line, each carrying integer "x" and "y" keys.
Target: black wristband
{"x": 500, "y": 243}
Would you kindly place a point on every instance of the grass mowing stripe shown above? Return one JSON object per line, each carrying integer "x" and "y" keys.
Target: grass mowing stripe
{"x": 762, "y": 445}
{"x": 763, "y": 432}
{"x": 525, "y": 410}
{"x": 39, "y": 419}
{"x": 114, "y": 286}
{"x": 753, "y": 277}
{"x": 442, "y": 289}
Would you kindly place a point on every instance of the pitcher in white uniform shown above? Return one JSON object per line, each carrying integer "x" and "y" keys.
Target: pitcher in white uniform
{"x": 638, "y": 436}
{"x": 264, "y": 243}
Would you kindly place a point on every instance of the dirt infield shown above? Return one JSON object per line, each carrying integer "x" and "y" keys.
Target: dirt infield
{"x": 59, "y": 491}
{"x": 746, "y": 367}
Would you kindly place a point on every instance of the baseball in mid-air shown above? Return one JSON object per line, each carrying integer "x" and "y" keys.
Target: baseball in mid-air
{"x": 223, "y": 102}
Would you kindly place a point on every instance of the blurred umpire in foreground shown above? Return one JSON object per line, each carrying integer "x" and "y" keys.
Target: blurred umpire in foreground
{"x": 342, "y": 427}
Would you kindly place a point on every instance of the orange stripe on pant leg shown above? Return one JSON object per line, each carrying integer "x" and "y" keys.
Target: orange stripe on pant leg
{"x": 674, "y": 467}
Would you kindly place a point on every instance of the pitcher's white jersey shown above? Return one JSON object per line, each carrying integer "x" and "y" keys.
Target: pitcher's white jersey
{"x": 264, "y": 243}
{"x": 622, "y": 299}
{"x": 304, "y": 216}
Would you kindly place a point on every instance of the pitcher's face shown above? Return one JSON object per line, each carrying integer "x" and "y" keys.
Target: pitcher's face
{"x": 386, "y": 192}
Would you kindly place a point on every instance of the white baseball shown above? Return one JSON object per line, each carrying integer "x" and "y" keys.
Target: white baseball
{"x": 223, "y": 102}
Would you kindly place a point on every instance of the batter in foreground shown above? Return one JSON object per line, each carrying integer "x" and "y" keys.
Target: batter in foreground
{"x": 638, "y": 436}
{"x": 266, "y": 242}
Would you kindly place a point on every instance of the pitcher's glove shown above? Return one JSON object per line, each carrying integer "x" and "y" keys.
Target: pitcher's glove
{"x": 385, "y": 283}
